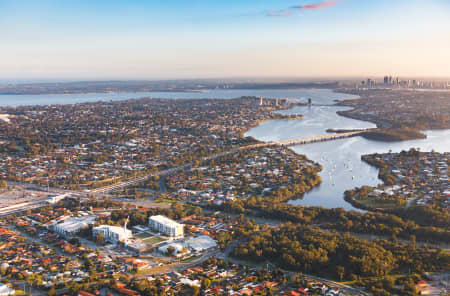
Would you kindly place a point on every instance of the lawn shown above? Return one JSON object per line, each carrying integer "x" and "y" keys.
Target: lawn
{"x": 154, "y": 240}
{"x": 143, "y": 235}
{"x": 379, "y": 204}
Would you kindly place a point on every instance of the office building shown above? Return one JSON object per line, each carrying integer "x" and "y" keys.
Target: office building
{"x": 165, "y": 226}
{"x": 112, "y": 234}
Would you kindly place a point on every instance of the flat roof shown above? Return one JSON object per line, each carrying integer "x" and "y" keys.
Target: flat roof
{"x": 115, "y": 229}
{"x": 75, "y": 223}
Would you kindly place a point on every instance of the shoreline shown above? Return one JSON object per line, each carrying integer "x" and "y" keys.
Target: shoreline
{"x": 354, "y": 204}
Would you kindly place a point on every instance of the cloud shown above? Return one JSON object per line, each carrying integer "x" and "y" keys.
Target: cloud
{"x": 290, "y": 11}
{"x": 317, "y": 5}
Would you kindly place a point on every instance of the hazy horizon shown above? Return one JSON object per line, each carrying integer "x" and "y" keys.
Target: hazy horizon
{"x": 218, "y": 79}
{"x": 285, "y": 39}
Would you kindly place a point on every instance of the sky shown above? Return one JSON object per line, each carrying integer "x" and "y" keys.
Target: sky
{"x": 175, "y": 39}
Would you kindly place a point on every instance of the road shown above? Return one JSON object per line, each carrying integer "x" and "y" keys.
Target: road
{"x": 165, "y": 172}
{"x": 130, "y": 182}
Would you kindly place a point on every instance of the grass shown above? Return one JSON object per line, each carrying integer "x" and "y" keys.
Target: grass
{"x": 355, "y": 282}
{"x": 153, "y": 270}
{"x": 154, "y": 240}
{"x": 381, "y": 204}
{"x": 190, "y": 259}
{"x": 143, "y": 235}
{"x": 165, "y": 200}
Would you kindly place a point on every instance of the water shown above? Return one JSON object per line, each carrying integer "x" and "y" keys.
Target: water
{"x": 318, "y": 95}
{"x": 341, "y": 159}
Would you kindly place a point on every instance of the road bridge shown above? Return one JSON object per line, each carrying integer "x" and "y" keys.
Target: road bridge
{"x": 317, "y": 138}
{"x": 127, "y": 183}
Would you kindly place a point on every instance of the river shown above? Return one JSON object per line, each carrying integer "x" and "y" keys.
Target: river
{"x": 320, "y": 95}
{"x": 341, "y": 159}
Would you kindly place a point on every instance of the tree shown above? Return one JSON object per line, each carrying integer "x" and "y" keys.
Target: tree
{"x": 100, "y": 238}
{"x": 412, "y": 242}
{"x": 340, "y": 271}
{"x": 206, "y": 283}
{"x": 171, "y": 250}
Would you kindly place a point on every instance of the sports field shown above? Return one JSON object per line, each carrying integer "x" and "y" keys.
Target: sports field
{"x": 143, "y": 235}
{"x": 154, "y": 240}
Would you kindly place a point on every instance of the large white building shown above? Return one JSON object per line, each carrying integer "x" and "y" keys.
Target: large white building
{"x": 73, "y": 225}
{"x": 200, "y": 243}
{"x": 112, "y": 234}
{"x": 166, "y": 226}
{"x": 5, "y": 290}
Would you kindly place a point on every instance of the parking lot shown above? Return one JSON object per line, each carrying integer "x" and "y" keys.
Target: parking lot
{"x": 21, "y": 199}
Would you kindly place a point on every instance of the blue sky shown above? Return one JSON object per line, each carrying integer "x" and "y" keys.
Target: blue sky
{"x": 208, "y": 39}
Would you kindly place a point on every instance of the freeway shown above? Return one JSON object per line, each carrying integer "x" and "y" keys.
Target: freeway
{"x": 127, "y": 183}
{"x": 137, "y": 180}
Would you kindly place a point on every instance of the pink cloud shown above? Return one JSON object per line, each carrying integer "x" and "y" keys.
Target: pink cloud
{"x": 317, "y": 5}
{"x": 290, "y": 11}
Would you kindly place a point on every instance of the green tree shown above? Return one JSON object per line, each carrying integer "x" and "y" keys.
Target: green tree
{"x": 206, "y": 283}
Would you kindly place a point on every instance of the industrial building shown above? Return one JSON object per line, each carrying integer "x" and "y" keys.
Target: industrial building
{"x": 165, "y": 226}
{"x": 200, "y": 243}
{"x": 73, "y": 225}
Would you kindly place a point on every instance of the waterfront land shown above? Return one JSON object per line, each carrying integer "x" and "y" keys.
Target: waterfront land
{"x": 92, "y": 145}
{"x": 411, "y": 178}
{"x": 84, "y": 87}
{"x": 399, "y": 114}
{"x": 255, "y": 244}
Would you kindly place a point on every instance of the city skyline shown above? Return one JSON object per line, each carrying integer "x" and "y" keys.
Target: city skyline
{"x": 198, "y": 39}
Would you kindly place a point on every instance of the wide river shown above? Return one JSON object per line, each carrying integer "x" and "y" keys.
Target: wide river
{"x": 341, "y": 159}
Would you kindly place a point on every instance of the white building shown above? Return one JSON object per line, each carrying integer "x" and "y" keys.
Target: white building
{"x": 73, "y": 225}
{"x": 200, "y": 243}
{"x": 166, "y": 226}
{"x": 5, "y": 290}
{"x": 54, "y": 199}
{"x": 178, "y": 249}
{"x": 112, "y": 234}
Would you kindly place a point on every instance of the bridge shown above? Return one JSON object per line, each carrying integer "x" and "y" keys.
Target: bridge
{"x": 317, "y": 139}
{"x": 127, "y": 183}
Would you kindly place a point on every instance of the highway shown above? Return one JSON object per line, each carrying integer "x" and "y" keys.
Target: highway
{"x": 124, "y": 184}
{"x": 134, "y": 181}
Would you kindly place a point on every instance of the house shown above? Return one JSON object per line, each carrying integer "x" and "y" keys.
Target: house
{"x": 83, "y": 293}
